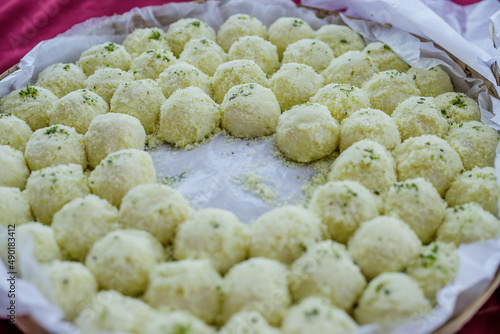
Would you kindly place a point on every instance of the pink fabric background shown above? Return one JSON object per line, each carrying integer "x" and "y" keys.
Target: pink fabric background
{"x": 24, "y": 23}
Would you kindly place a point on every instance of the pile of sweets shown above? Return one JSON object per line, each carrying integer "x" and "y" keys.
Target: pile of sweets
{"x": 413, "y": 180}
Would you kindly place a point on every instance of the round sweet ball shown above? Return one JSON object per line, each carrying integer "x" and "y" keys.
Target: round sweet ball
{"x": 385, "y": 58}
{"x": 14, "y": 207}
{"x": 326, "y": 270}
{"x": 45, "y": 248}
{"x": 252, "y": 285}
{"x": 237, "y": 26}
{"x": 188, "y": 116}
{"x": 294, "y": 84}
{"x": 31, "y": 104}
{"x": 123, "y": 259}
{"x": 432, "y": 82}
{"x": 81, "y": 222}
{"x": 312, "y": 52}
{"x": 287, "y": 30}
{"x": 183, "y": 75}
{"x": 477, "y": 185}
{"x": 204, "y": 54}
{"x": 389, "y": 299}
{"x": 458, "y": 107}
{"x": 155, "y": 208}
{"x": 233, "y": 73}
{"x": 307, "y": 132}
{"x": 435, "y": 266}
{"x": 61, "y": 79}
{"x": 110, "y": 311}
{"x": 467, "y": 223}
{"x": 429, "y": 157}
{"x": 73, "y": 285}
{"x": 372, "y": 124}
{"x": 51, "y": 187}
{"x": 189, "y": 285}
{"x": 383, "y": 244}
{"x": 77, "y": 109}
{"x": 284, "y": 233}
{"x": 418, "y": 203}
{"x": 250, "y": 111}
{"x": 353, "y": 68}
{"x": 262, "y": 52}
{"x": 106, "y": 80}
{"x": 342, "y": 207}
{"x": 475, "y": 142}
{"x": 119, "y": 172}
{"x": 250, "y": 322}
{"x": 184, "y": 30}
{"x": 150, "y": 64}
{"x": 141, "y": 99}
{"x": 387, "y": 89}
{"x": 144, "y": 39}
{"x": 213, "y": 234}
{"x": 417, "y": 116}
{"x": 13, "y": 166}
{"x": 367, "y": 162}
{"x": 317, "y": 315}
{"x": 341, "y": 99}
{"x": 112, "y": 132}
{"x": 14, "y": 132}
{"x": 176, "y": 322}
{"x": 107, "y": 54}
{"x": 340, "y": 38}
{"x": 55, "y": 145}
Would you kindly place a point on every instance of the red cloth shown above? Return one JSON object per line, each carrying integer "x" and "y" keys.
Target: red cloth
{"x": 24, "y": 23}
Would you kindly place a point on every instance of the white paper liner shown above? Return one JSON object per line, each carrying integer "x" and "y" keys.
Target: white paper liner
{"x": 207, "y": 173}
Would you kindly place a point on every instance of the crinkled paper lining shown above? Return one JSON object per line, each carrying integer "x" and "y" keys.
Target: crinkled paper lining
{"x": 207, "y": 175}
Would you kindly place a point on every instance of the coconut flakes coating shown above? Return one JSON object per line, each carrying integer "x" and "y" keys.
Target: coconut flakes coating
{"x": 307, "y": 132}
{"x": 151, "y": 63}
{"x": 312, "y": 52}
{"x": 418, "y": 203}
{"x": 387, "y": 89}
{"x": 77, "y": 109}
{"x": 123, "y": 259}
{"x": 287, "y": 30}
{"x": 188, "y": 116}
{"x": 61, "y": 78}
{"x": 432, "y": 82}
{"x": 477, "y": 185}
{"x": 237, "y": 26}
{"x": 429, "y": 157}
{"x": 204, "y": 54}
{"x": 55, "y": 145}
{"x": 108, "y": 54}
{"x": 385, "y": 58}
{"x": 144, "y": 39}
{"x": 367, "y": 162}
{"x": 262, "y": 52}
{"x": 341, "y": 99}
{"x": 383, "y": 244}
{"x": 340, "y": 38}
{"x": 342, "y": 207}
{"x": 31, "y": 104}
{"x": 141, "y": 99}
{"x": 369, "y": 124}
{"x": 50, "y": 188}
{"x": 182, "y": 31}
{"x": 353, "y": 68}
{"x": 475, "y": 142}
{"x": 417, "y": 116}
{"x": 13, "y": 167}
{"x": 106, "y": 80}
